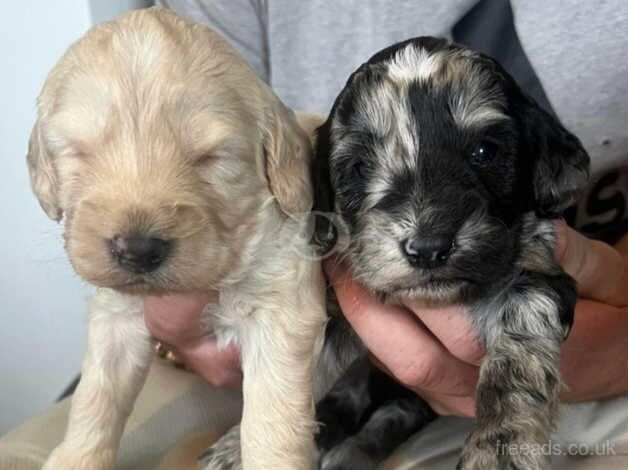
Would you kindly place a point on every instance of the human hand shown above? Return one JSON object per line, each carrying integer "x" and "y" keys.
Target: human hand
{"x": 435, "y": 352}
{"x": 175, "y": 320}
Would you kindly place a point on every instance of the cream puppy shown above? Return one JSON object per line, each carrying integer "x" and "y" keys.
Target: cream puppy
{"x": 176, "y": 169}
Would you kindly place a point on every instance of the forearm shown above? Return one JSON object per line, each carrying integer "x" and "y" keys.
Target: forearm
{"x": 594, "y": 358}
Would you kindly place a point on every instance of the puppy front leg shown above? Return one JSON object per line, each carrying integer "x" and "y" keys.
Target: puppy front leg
{"x": 517, "y": 393}
{"x": 119, "y": 352}
{"x": 278, "y": 356}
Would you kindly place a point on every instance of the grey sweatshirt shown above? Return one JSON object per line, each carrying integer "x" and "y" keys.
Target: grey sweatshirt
{"x": 571, "y": 55}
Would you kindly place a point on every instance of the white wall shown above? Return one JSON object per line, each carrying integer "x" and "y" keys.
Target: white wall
{"x": 42, "y": 320}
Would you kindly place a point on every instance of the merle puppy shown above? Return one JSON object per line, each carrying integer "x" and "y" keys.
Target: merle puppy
{"x": 446, "y": 175}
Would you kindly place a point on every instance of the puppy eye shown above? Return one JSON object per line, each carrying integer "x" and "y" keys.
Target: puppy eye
{"x": 360, "y": 169}
{"x": 203, "y": 159}
{"x": 483, "y": 154}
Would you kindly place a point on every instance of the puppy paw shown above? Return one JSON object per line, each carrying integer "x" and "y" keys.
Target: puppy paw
{"x": 65, "y": 458}
{"x": 225, "y": 454}
{"x": 347, "y": 456}
{"x": 480, "y": 453}
{"x": 478, "y": 460}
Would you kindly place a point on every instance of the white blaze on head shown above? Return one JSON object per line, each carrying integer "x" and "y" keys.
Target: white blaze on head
{"x": 413, "y": 63}
{"x": 472, "y": 102}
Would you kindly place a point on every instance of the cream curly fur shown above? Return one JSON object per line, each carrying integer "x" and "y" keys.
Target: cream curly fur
{"x": 155, "y": 125}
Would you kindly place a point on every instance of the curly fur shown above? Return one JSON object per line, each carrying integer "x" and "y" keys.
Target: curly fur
{"x": 431, "y": 141}
{"x": 153, "y": 128}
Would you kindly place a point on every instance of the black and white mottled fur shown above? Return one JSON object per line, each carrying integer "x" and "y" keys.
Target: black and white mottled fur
{"x": 445, "y": 176}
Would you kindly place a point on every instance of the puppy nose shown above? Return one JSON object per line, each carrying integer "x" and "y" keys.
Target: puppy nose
{"x": 138, "y": 253}
{"x": 428, "y": 252}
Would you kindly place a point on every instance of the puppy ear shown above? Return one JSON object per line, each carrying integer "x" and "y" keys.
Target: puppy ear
{"x": 43, "y": 174}
{"x": 287, "y": 151}
{"x": 560, "y": 163}
{"x": 324, "y": 232}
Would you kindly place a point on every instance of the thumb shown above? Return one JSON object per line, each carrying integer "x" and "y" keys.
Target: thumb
{"x": 597, "y": 267}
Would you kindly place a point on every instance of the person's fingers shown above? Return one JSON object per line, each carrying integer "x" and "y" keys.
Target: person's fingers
{"x": 598, "y": 268}
{"x": 219, "y": 367}
{"x": 400, "y": 341}
{"x": 443, "y": 404}
{"x": 453, "y": 328}
{"x": 176, "y": 318}
{"x": 447, "y": 405}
